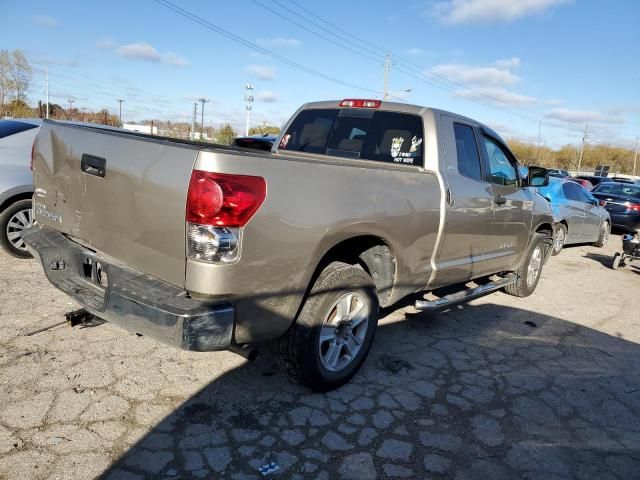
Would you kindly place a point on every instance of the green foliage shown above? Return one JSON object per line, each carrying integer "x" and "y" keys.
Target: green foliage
{"x": 264, "y": 129}
{"x": 225, "y": 134}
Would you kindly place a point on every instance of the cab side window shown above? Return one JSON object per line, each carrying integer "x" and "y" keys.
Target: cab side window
{"x": 502, "y": 171}
{"x": 467, "y": 151}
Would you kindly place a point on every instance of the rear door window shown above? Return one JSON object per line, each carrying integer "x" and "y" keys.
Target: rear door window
{"x": 11, "y": 127}
{"x": 467, "y": 151}
{"x": 389, "y": 137}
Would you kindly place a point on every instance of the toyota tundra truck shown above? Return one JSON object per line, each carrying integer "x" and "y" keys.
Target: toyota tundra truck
{"x": 360, "y": 203}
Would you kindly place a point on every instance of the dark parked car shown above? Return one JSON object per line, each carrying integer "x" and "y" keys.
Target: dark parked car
{"x": 594, "y": 179}
{"x": 585, "y": 183}
{"x": 577, "y": 215}
{"x": 622, "y": 201}
{"x": 16, "y": 182}
{"x": 262, "y": 142}
{"x": 554, "y": 172}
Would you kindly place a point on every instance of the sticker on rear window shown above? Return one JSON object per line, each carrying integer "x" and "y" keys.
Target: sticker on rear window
{"x": 396, "y": 145}
{"x": 415, "y": 143}
{"x": 285, "y": 141}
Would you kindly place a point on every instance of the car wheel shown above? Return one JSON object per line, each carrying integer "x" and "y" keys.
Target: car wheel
{"x": 333, "y": 333}
{"x": 528, "y": 274}
{"x": 559, "y": 238}
{"x": 603, "y": 236}
{"x": 617, "y": 259}
{"x": 13, "y": 221}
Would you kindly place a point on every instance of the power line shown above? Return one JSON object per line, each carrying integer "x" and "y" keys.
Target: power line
{"x": 205, "y": 23}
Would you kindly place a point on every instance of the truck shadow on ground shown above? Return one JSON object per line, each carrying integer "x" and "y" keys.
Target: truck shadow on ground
{"x": 482, "y": 391}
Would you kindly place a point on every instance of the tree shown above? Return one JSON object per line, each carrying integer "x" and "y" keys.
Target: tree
{"x": 5, "y": 64}
{"x": 225, "y": 134}
{"x": 264, "y": 130}
{"x": 20, "y": 73}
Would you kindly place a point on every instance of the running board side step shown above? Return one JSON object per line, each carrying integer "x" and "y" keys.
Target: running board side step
{"x": 465, "y": 295}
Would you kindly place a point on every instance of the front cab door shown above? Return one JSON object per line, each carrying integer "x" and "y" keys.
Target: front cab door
{"x": 512, "y": 207}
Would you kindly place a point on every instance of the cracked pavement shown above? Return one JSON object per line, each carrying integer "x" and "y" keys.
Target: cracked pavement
{"x": 546, "y": 387}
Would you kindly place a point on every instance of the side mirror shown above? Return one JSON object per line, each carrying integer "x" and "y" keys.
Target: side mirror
{"x": 538, "y": 177}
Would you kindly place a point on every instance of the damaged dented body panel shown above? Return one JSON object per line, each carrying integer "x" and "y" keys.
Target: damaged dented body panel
{"x": 417, "y": 197}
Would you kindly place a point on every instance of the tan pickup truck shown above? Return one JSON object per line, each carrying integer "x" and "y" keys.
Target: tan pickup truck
{"x": 359, "y": 204}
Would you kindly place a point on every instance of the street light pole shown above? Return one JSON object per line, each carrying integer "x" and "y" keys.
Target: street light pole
{"x": 193, "y": 121}
{"x": 46, "y": 69}
{"x": 119, "y": 100}
{"x": 385, "y": 85}
{"x": 70, "y": 100}
{"x": 635, "y": 157}
{"x": 584, "y": 139}
{"x": 203, "y": 101}
{"x": 248, "y": 100}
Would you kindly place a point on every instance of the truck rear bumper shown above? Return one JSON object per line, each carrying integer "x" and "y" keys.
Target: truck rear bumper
{"x": 130, "y": 299}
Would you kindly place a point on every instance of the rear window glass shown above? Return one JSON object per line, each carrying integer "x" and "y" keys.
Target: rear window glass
{"x": 389, "y": 137}
{"x": 467, "y": 152}
{"x": 11, "y": 127}
{"x": 616, "y": 189}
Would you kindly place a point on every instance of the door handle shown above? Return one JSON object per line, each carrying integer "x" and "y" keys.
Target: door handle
{"x": 500, "y": 200}
{"x": 93, "y": 165}
{"x": 449, "y": 197}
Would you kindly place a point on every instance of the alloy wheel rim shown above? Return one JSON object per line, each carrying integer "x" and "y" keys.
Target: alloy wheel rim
{"x": 343, "y": 331}
{"x": 558, "y": 241}
{"x": 18, "y": 222}
{"x": 534, "y": 266}
{"x": 607, "y": 233}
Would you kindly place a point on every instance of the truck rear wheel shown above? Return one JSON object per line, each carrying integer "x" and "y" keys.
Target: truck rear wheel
{"x": 334, "y": 331}
{"x": 529, "y": 272}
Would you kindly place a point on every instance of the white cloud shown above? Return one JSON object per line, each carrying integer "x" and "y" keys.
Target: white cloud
{"x": 140, "y": 51}
{"x": 267, "y": 97}
{"x": 171, "y": 58}
{"x": 454, "y": 12}
{"x": 508, "y": 63}
{"x": 46, "y": 21}
{"x": 144, "y": 51}
{"x": 278, "y": 42}
{"x": 414, "y": 52}
{"x": 263, "y": 72}
{"x": 583, "y": 116}
{"x": 554, "y": 102}
{"x": 499, "y": 95}
{"x": 105, "y": 43}
{"x": 477, "y": 76}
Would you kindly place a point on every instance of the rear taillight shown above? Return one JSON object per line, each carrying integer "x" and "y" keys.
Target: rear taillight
{"x": 218, "y": 205}
{"x": 634, "y": 207}
{"x": 602, "y": 203}
{"x": 33, "y": 155}
{"x": 360, "y": 103}
{"x": 224, "y": 200}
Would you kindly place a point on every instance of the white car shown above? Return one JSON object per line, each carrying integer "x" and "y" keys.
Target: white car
{"x": 16, "y": 182}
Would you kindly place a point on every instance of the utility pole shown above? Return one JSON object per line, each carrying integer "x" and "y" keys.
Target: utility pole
{"x": 584, "y": 139}
{"x": 387, "y": 67}
{"x": 203, "y": 101}
{"x": 119, "y": 100}
{"x": 193, "y": 121}
{"x": 635, "y": 157}
{"x": 46, "y": 69}
{"x": 70, "y": 103}
{"x": 538, "y": 149}
{"x": 248, "y": 100}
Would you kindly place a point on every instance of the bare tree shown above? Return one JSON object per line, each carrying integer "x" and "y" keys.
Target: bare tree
{"x": 19, "y": 76}
{"x": 5, "y": 66}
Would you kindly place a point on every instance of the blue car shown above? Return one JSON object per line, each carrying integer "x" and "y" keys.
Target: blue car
{"x": 578, "y": 216}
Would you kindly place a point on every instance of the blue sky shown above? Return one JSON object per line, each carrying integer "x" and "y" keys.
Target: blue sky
{"x": 508, "y": 63}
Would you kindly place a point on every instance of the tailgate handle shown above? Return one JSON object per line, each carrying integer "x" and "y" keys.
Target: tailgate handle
{"x": 93, "y": 165}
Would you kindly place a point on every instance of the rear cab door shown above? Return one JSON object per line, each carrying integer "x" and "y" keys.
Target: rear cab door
{"x": 512, "y": 206}
{"x": 468, "y": 206}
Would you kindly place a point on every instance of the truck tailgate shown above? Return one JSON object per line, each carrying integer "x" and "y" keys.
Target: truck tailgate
{"x": 132, "y": 210}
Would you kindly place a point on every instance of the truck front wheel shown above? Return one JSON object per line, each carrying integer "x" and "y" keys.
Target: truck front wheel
{"x": 528, "y": 274}
{"x": 333, "y": 333}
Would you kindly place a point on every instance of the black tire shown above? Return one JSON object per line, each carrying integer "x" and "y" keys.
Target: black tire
{"x": 5, "y": 228}
{"x": 300, "y": 349}
{"x": 522, "y": 287}
{"x": 616, "y": 261}
{"x": 558, "y": 230}
{"x": 603, "y": 236}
